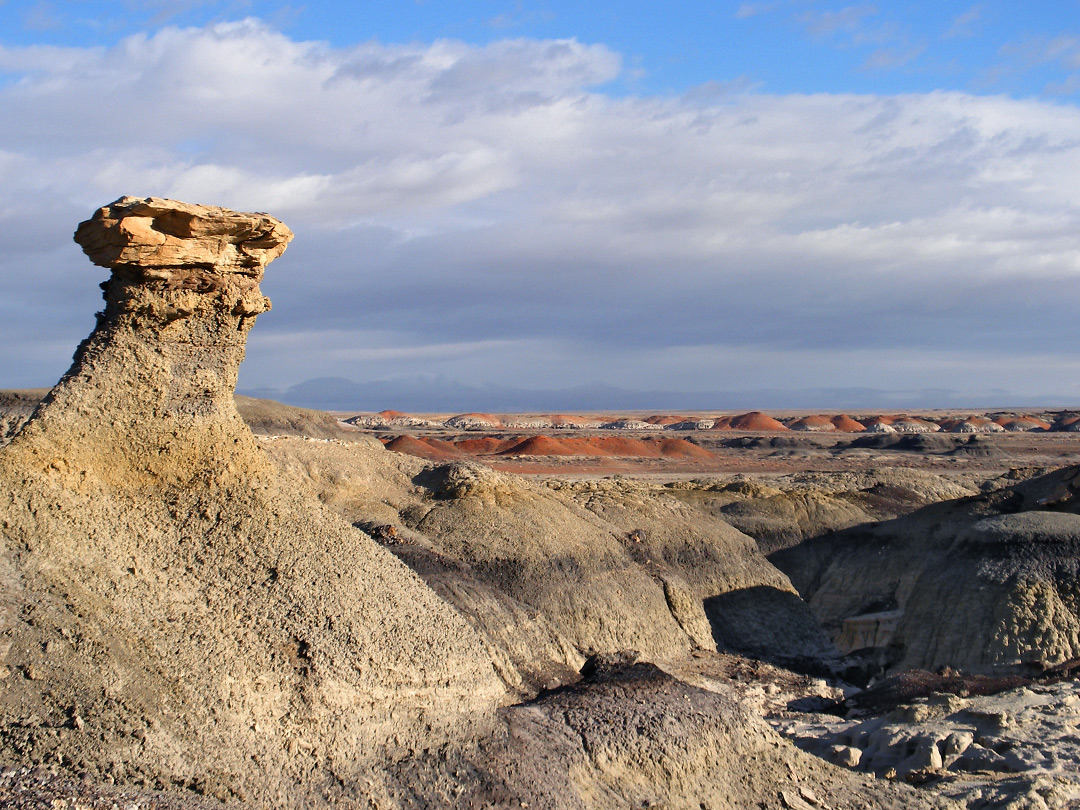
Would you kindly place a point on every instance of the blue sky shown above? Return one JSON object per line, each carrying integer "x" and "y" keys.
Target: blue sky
{"x": 778, "y": 46}
{"x": 658, "y": 197}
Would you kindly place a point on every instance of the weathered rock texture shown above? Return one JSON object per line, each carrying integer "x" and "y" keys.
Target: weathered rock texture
{"x": 986, "y": 583}
{"x": 177, "y": 613}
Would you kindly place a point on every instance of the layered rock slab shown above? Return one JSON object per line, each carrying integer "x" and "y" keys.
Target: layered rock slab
{"x": 178, "y": 614}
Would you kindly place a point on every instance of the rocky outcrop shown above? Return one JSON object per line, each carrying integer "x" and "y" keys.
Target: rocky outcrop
{"x": 473, "y": 421}
{"x": 1015, "y": 748}
{"x": 692, "y": 424}
{"x": 983, "y": 584}
{"x": 630, "y": 424}
{"x": 181, "y": 614}
{"x": 789, "y": 509}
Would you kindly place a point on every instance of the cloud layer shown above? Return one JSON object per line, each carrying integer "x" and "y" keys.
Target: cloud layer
{"x": 488, "y": 214}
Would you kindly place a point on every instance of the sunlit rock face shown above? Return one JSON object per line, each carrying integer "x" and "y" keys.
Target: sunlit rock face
{"x": 159, "y": 573}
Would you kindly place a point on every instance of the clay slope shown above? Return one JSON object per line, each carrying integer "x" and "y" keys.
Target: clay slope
{"x": 607, "y": 565}
{"x": 178, "y": 614}
{"x": 986, "y": 583}
{"x": 539, "y": 548}
{"x": 263, "y": 416}
{"x": 748, "y": 606}
{"x": 785, "y": 510}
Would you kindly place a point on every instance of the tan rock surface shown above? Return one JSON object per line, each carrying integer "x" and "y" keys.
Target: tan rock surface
{"x": 159, "y": 236}
{"x": 179, "y": 612}
{"x": 208, "y": 621}
{"x": 985, "y": 583}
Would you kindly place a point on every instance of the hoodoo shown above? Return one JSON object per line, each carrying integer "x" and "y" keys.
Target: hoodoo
{"x": 205, "y": 621}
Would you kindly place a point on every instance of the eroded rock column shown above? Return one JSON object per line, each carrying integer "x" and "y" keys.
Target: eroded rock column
{"x": 151, "y": 389}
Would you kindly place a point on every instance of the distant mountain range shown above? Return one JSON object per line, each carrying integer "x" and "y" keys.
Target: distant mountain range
{"x": 439, "y": 395}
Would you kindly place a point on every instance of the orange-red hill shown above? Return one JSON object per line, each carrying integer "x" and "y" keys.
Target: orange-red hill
{"x": 846, "y": 424}
{"x": 665, "y": 419}
{"x": 485, "y": 445}
{"x": 680, "y": 448}
{"x": 755, "y": 420}
{"x": 546, "y": 446}
{"x": 813, "y": 423}
{"x": 431, "y": 449}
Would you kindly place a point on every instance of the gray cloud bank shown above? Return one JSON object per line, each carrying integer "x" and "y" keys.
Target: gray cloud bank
{"x": 489, "y": 217}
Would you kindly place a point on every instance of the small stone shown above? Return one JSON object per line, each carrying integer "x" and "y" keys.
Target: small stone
{"x": 812, "y": 798}
{"x": 793, "y": 801}
{"x": 846, "y": 756}
{"x": 958, "y": 742}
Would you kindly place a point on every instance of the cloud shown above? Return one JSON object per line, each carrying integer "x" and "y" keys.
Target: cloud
{"x": 848, "y": 20}
{"x": 747, "y": 10}
{"x": 489, "y": 214}
{"x": 1063, "y": 49}
{"x": 863, "y": 27}
{"x": 964, "y": 24}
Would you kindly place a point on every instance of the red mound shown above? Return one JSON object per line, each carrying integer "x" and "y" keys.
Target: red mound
{"x": 390, "y": 414}
{"x": 622, "y": 446}
{"x": 722, "y": 423}
{"x": 565, "y": 420}
{"x": 485, "y": 446}
{"x": 574, "y": 446}
{"x": 755, "y": 420}
{"x": 431, "y": 449}
{"x": 442, "y": 446}
{"x": 680, "y": 448}
{"x": 814, "y": 423}
{"x": 846, "y": 424}
{"x": 950, "y": 424}
{"x": 1022, "y": 423}
{"x": 543, "y": 446}
{"x": 669, "y": 419}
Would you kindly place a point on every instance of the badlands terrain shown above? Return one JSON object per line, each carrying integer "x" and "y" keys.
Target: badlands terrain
{"x": 209, "y": 599}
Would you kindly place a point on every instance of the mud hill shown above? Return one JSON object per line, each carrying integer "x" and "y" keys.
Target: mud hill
{"x": 754, "y": 421}
{"x": 984, "y": 583}
{"x": 187, "y": 608}
{"x": 431, "y": 449}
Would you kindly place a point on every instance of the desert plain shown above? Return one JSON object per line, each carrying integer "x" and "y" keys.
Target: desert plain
{"x": 212, "y": 600}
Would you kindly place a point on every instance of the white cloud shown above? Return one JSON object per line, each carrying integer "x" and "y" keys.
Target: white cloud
{"x": 963, "y": 24}
{"x": 492, "y": 198}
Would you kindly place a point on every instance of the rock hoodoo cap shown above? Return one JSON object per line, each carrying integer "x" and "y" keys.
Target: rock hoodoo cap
{"x": 160, "y": 233}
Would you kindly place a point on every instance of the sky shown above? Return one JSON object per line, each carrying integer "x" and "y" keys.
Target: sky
{"x": 684, "y": 200}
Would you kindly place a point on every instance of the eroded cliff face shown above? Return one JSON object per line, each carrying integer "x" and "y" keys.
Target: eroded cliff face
{"x": 149, "y": 395}
{"x": 177, "y": 613}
